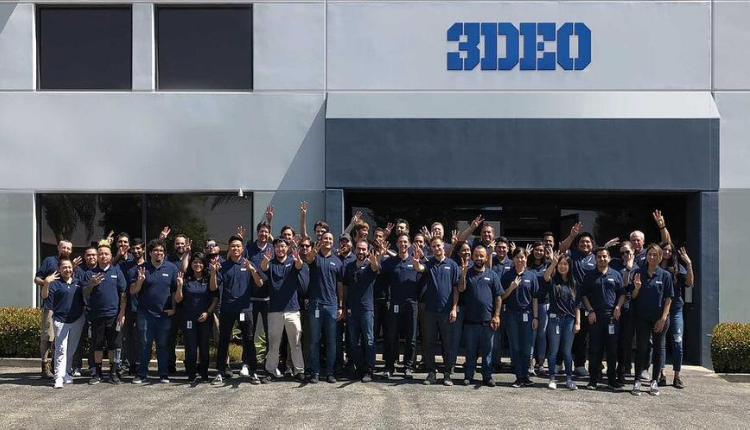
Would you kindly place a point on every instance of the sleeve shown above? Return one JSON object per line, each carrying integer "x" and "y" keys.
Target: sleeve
{"x": 535, "y": 293}
{"x": 86, "y": 278}
{"x": 43, "y": 271}
{"x": 173, "y": 281}
{"x": 340, "y": 273}
{"x": 122, "y": 284}
{"x": 619, "y": 287}
{"x": 584, "y": 287}
{"x": 544, "y": 287}
{"x": 668, "y": 287}
{"x": 456, "y": 274}
{"x": 499, "y": 291}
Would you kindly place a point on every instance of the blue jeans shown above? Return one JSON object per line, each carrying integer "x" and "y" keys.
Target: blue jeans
{"x": 322, "y": 324}
{"x": 361, "y": 328}
{"x": 500, "y": 335}
{"x": 151, "y": 328}
{"x": 521, "y": 341}
{"x": 676, "y": 329}
{"x": 540, "y": 336}
{"x": 560, "y": 334}
{"x": 478, "y": 335}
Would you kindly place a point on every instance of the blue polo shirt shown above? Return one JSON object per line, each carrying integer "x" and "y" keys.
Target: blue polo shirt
{"x": 438, "y": 281}
{"x": 156, "y": 291}
{"x": 403, "y": 279}
{"x": 196, "y": 297}
{"x": 640, "y": 258}
{"x": 680, "y": 282}
{"x": 653, "y": 293}
{"x": 48, "y": 267}
{"x": 360, "y": 286}
{"x": 539, "y": 271}
{"x": 502, "y": 267}
{"x": 67, "y": 300}
{"x": 255, "y": 254}
{"x": 348, "y": 259}
{"x": 582, "y": 264}
{"x": 521, "y": 298}
{"x": 104, "y": 300}
{"x": 482, "y": 288}
{"x": 325, "y": 273}
{"x": 562, "y": 302}
{"x": 603, "y": 290}
{"x": 283, "y": 284}
{"x": 130, "y": 270}
{"x": 236, "y": 285}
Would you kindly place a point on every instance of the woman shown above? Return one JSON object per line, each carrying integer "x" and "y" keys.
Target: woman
{"x": 67, "y": 306}
{"x": 462, "y": 256}
{"x": 652, "y": 292}
{"x": 682, "y": 276}
{"x": 538, "y": 264}
{"x": 198, "y": 303}
{"x": 521, "y": 288}
{"x": 564, "y": 317}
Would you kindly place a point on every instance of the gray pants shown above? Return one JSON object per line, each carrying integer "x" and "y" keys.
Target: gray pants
{"x": 435, "y": 323}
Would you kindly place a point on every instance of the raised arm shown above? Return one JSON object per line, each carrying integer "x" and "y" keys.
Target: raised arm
{"x": 690, "y": 276}
{"x": 513, "y": 285}
{"x": 136, "y": 286}
{"x": 47, "y": 281}
{"x": 659, "y": 219}
{"x": 473, "y": 226}
{"x": 565, "y": 244}
{"x": 303, "y": 219}
{"x": 355, "y": 219}
{"x": 550, "y": 272}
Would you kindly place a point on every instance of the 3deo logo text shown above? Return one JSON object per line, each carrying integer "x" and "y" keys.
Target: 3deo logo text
{"x": 469, "y": 56}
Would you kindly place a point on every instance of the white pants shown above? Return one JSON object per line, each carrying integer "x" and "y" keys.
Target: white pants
{"x": 67, "y": 336}
{"x": 277, "y": 323}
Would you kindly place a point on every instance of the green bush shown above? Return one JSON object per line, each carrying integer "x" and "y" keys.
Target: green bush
{"x": 730, "y": 348}
{"x": 19, "y": 332}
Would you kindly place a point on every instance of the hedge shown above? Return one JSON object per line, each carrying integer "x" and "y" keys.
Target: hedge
{"x": 19, "y": 332}
{"x": 730, "y": 348}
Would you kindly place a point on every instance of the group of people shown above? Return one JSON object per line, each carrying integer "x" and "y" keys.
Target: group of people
{"x": 322, "y": 306}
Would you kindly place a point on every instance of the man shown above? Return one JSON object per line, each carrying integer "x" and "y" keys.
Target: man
{"x": 603, "y": 295}
{"x": 130, "y": 337}
{"x": 548, "y": 239}
{"x": 401, "y": 317}
{"x": 123, "y": 249}
{"x": 49, "y": 266}
{"x": 305, "y": 247}
{"x": 326, "y": 294}
{"x": 361, "y": 231}
{"x": 254, "y": 252}
{"x": 638, "y": 240}
{"x": 283, "y": 284}
{"x": 90, "y": 257}
{"x": 481, "y": 292}
{"x": 500, "y": 263}
{"x": 402, "y": 227}
{"x": 154, "y": 286}
{"x": 181, "y": 259}
{"x": 440, "y": 295}
{"x": 344, "y": 252}
{"x": 105, "y": 287}
{"x": 584, "y": 262}
{"x": 346, "y": 255}
{"x": 381, "y": 289}
{"x": 319, "y": 228}
{"x": 626, "y": 266}
{"x": 236, "y": 278}
{"x": 359, "y": 283}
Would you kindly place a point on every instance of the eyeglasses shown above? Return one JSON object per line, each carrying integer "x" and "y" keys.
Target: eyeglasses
{"x": 210, "y": 245}
{"x": 304, "y": 245}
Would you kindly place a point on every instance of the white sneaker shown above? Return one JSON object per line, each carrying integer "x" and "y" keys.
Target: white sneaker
{"x": 58, "y": 383}
{"x": 218, "y": 380}
{"x": 636, "y": 388}
{"x": 76, "y": 372}
{"x": 67, "y": 379}
{"x": 654, "y": 388}
{"x": 245, "y": 370}
{"x": 552, "y": 385}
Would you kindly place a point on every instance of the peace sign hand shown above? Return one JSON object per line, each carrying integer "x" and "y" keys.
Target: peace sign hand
{"x": 576, "y": 228}
{"x": 97, "y": 279}
{"x": 215, "y": 266}
{"x": 268, "y": 255}
{"x": 637, "y": 281}
{"x": 303, "y": 207}
{"x": 165, "y": 232}
{"x": 269, "y": 213}
{"x": 188, "y": 245}
{"x": 180, "y": 279}
{"x": 478, "y": 220}
{"x": 659, "y": 219}
{"x": 141, "y": 274}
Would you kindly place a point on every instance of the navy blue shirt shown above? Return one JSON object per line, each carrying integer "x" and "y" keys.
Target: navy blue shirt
{"x": 627, "y": 278}
{"x": 156, "y": 291}
{"x": 603, "y": 290}
{"x": 67, "y": 300}
{"x": 283, "y": 284}
{"x": 403, "y": 279}
{"x": 653, "y": 293}
{"x": 130, "y": 270}
{"x": 562, "y": 302}
{"x": 104, "y": 300}
{"x": 680, "y": 282}
{"x": 539, "y": 271}
{"x": 640, "y": 258}
{"x": 49, "y": 266}
{"x": 438, "y": 281}
{"x": 582, "y": 264}
{"x": 255, "y": 254}
{"x": 196, "y": 297}
{"x": 236, "y": 285}
{"x": 502, "y": 267}
{"x": 482, "y": 288}
{"x": 521, "y": 298}
{"x": 360, "y": 285}
{"x": 325, "y": 273}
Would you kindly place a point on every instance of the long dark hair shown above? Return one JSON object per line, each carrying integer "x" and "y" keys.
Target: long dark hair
{"x": 199, "y": 256}
{"x": 571, "y": 282}
{"x": 532, "y": 259}
{"x": 673, "y": 264}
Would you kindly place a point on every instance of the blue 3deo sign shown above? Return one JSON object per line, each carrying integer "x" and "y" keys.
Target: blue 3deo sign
{"x": 469, "y": 56}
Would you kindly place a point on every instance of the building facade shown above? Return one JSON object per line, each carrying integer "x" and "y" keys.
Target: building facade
{"x": 128, "y": 116}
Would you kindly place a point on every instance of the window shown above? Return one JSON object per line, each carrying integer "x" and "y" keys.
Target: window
{"x": 84, "y": 48}
{"x": 204, "y": 48}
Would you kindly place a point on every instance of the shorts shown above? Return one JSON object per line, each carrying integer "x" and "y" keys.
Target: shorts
{"x": 104, "y": 333}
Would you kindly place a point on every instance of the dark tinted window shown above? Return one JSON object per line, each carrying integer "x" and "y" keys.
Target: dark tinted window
{"x": 84, "y": 48}
{"x": 205, "y": 48}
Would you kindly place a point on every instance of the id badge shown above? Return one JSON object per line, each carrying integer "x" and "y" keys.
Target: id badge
{"x": 557, "y": 329}
{"x": 585, "y": 313}
{"x": 242, "y": 316}
{"x": 189, "y": 325}
{"x": 552, "y": 316}
{"x": 611, "y": 328}
{"x": 349, "y": 312}
{"x": 317, "y": 313}
{"x": 504, "y": 308}
{"x": 395, "y": 309}
{"x": 525, "y": 317}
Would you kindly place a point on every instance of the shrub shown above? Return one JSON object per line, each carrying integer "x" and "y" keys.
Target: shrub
{"x": 730, "y": 348}
{"x": 19, "y": 332}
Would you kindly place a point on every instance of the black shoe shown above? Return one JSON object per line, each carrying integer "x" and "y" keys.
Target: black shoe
{"x": 267, "y": 379}
{"x": 367, "y": 377}
{"x": 228, "y": 374}
{"x": 172, "y": 369}
{"x": 114, "y": 379}
{"x": 677, "y": 383}
{"x": 466, "y": 382}
{"x": 314, "y": 379}
{"x": 591, "y": 386}
{"x": 662, "y": 380}
{"x": 614, "y": 386}
{"x": 408, "y": 374}
{"x": 489, "y": 382}
{"x": 431, "y": 379}
{"x": 95, "y": 380}
{"x": 132, "y": 370}
{"x": 528, "y": 382}
{"x": 331, "y": 379}
{"x": 300, "y": 377}
{"x": 518, "y": 383}
{"x": 191, "y": 379}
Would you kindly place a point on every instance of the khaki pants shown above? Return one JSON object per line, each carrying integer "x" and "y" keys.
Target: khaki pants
{"x": 277, "y": 323}
{"x": 47, "y": 340}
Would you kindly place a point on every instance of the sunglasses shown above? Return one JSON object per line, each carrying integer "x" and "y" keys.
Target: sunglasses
{"x": 210, "y": 245}
{"x": 303, "y": 245}
{"x": 626, "y": 252}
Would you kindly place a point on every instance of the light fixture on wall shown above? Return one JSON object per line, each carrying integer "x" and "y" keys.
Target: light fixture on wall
{"x": 240, "y": 193}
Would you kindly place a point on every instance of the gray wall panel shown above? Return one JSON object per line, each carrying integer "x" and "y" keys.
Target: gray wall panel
{"x": 143, "y": 47}
{"x": 162, "y": 141}
{"x": 286, "y": 209}
{"x": 735, "y": 138}
{"x": 17, "y": 254}
{"x": 734, "y": 211}
{"x": 17, "y": 60}
{"x": 730, "y": 44}
{"x": 668, "y": 154}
